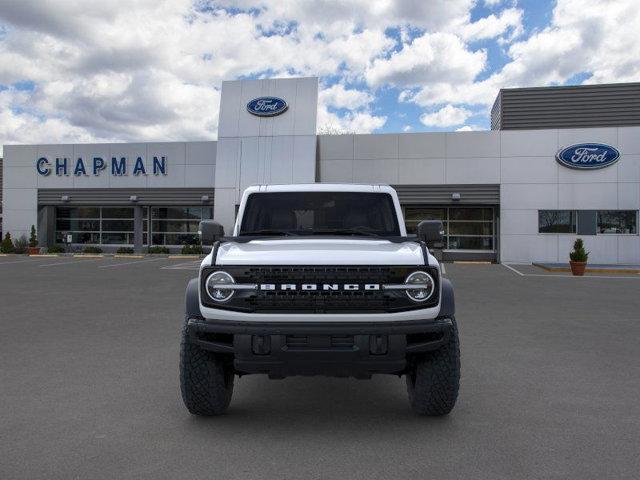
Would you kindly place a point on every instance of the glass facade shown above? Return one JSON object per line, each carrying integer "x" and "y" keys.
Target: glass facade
{"x": 115, "y": 225}
{"x": 177, "y": 225}
{"x": 466, "y": 228}
{"x": 95, "y": 225}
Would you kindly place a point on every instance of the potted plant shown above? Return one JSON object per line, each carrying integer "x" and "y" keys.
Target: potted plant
{"x": 33, "y": 242}
{"x": 578, "y": 258}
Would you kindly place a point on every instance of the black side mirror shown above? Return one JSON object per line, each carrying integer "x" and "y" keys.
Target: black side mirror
{"x": 430, "y": 231}
{"x": 210, "y": 232}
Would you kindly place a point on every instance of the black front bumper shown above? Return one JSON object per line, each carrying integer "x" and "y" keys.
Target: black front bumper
{"x": 358, "y": 349}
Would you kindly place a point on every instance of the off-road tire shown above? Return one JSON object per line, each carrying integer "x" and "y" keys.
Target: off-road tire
{"x": 206, "y": 381}
{"x": 434, "y": 379}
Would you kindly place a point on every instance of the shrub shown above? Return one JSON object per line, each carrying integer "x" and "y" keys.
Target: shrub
{"x": 92, "y": 249}
{"x": 158, "y": 249}
{"x": 21, "y": 245}
{"x": 191, "y": 249}
{"x": 579, "y": 254}
{"x": 125, "y": 250}
{"x": 55, "y": 249}
{"x": 7, "y": 244}
{"x": 33, "y": 238}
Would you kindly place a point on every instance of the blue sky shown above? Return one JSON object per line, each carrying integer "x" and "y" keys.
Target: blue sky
{"x": 77, "y": 71}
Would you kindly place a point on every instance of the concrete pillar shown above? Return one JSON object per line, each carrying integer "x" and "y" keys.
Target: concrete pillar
{"x": 138, "y": 228}
{"x": 46, "y": 228}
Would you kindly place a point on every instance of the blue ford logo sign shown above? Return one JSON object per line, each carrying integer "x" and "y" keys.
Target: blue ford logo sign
{"x": 588, "y": 156}
{"x": 267, "y": 106}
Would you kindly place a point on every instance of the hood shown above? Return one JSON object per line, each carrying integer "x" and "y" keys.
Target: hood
{"x": 320, "y": 252}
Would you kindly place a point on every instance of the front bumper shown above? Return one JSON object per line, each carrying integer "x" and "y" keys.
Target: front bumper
{"x": 281, "y": 349}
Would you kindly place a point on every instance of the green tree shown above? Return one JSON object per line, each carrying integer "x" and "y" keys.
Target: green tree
{"x": 33, "y": 239}
{"x": 7, "y": 244}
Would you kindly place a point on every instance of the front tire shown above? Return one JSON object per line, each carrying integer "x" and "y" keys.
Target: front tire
{"x": 434, "y": 380}
{"x": 206, "y": 381}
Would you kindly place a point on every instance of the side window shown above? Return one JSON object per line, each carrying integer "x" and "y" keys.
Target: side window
{"x": 618, "y": 221}
{"x": 556, "y": 221}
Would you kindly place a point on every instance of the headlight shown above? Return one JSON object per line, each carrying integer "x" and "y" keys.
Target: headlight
{"x": 420, "y": 286}
{"x": 217, "y": 286}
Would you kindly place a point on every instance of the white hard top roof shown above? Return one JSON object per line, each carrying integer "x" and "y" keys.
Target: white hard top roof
{"x": 321, "y": 187}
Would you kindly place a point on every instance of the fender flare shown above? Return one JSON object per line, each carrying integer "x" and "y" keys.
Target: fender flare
{"x": 192, "y": 299}
{"x": 447, "y": 302}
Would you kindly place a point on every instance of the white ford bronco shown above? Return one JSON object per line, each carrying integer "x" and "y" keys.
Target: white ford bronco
{"x": 320, "y": 279}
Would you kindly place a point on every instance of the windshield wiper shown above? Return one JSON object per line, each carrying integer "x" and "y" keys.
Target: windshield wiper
{"x": 268, "y": 231}
{"x": 365, "y": 231}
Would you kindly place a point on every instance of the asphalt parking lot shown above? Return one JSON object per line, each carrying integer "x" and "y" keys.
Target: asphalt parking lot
{"x": 89, "y": 385}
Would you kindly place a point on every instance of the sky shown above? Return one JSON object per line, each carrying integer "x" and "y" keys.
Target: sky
{"x": 77, "y": 71}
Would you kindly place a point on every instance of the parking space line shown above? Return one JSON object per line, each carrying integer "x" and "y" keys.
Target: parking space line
{"x": 21, "y": 261}
{"x": 442, "y": 269}
{"x": 70, "y": 262}
{"x": 513, "y": 269}
{"x": 618, "y": 277}
{"x": 183, "y": 266}
{"x": 130, "y": 263}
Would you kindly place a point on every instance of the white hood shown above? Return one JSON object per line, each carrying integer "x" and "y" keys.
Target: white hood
{"x": 315, "y": 251}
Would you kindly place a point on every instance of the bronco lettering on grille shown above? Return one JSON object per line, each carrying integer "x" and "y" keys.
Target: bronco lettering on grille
{"x": 315, "y": 287}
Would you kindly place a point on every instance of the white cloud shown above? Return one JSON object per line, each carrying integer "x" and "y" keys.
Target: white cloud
{"x": 338, "y": 96}
{"x": 509, "y": 20}
{"x": 407, "y": 128}
{"x": 433, "y": 57}
{"x": 469, "y": 128}
{"x": 447, "y": 116}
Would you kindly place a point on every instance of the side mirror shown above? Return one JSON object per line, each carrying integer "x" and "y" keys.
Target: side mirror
{"x": 430, "y": 231}
{"x": 210, "y": 232}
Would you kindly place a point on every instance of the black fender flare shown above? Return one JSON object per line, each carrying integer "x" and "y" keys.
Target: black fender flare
{"x": 192, "y": 299}
{"x": 447, "y": 301}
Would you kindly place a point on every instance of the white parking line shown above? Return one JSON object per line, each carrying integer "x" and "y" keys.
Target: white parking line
{"x": 513, "y": 269}
{"x": 620, "y": 277}
{"x": 21, "y": 261}
{"x": 442, "y": 269}
{"x": 130, "y": 263}
{"x": 70, "y": 262}
{"x": 183, "y": 266}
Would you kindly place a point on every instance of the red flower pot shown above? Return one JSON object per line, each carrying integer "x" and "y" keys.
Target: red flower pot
{"x": 578, "y": 268}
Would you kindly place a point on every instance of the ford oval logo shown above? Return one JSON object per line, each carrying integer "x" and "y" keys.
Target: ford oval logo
{"x": 267, "y": 106}
{"x": 588, "y": 156}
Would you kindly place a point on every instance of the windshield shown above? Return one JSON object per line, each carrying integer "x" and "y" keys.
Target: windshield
{"x": 320, "y": 213}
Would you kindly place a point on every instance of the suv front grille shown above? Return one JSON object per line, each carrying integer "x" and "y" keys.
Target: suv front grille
{"x": 319, "y": 301}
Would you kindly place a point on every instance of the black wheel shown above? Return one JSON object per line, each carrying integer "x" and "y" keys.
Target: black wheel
{"x": 206, "y": 381}
{"x": 433, "y": 382}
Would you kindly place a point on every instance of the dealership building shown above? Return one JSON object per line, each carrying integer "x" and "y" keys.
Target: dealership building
{"x": 559, "y": 162}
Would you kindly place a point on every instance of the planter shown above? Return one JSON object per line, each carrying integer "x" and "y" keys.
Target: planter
{"x": 578, "y": 268}
{"x": 34, "y": 250}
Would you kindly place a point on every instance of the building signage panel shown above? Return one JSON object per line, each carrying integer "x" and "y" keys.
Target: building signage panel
{"x": 116, "y": 166}
{"x": 267, "y": 106}
{"x": 588, "y": 156}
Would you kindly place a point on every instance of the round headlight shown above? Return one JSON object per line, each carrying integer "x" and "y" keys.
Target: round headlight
{"x": 421, "y": 286}
{"x": 216, "y": 283}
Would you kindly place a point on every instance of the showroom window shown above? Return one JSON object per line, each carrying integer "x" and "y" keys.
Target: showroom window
{"x": 557, "y": 221}
{"x": 618, "y": 222}
{"x": 177, "y": 225}
{"x": 466, "y": 228}
{"x": 95, "y": 225}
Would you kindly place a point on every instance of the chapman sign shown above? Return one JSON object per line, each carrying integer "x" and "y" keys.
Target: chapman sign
{"x": 588, "y": 156}
{"x": 96, "y": 165}
{"x": 267, "y": 106}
